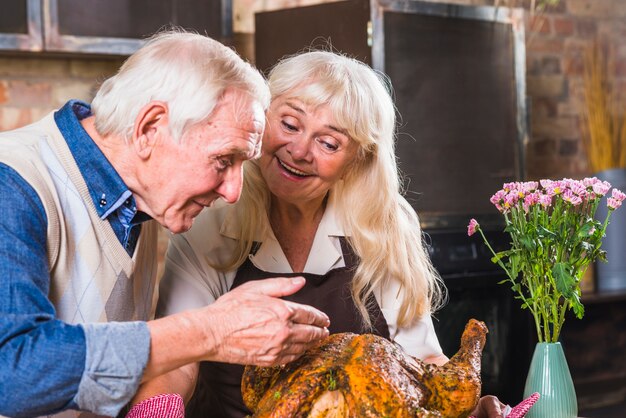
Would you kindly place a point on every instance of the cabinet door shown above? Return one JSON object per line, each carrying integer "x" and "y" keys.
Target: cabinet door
{"x": 20, "y": 25}
{"x": 458, "y": 74}
{"x": 341, "y": 26}
{"x": 118, "y": 26}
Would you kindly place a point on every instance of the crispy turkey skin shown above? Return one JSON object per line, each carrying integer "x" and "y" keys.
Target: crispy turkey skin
{"x": 349, "y": 375}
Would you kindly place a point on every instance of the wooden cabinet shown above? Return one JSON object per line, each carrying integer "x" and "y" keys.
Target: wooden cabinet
{"x": 594, "y": 347}
{"x": 112, "y": 27}
{"x": 21, "y": 25}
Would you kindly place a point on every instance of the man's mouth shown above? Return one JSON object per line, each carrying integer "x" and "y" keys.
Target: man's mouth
{"x": 204, "y": 204}
{"x": 292, "y": 170}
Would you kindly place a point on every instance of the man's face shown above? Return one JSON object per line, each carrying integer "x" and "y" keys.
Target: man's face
{"x": 205, "y": 164}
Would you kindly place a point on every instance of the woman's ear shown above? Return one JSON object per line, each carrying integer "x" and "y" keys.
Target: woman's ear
{"x": 151, "y": 124}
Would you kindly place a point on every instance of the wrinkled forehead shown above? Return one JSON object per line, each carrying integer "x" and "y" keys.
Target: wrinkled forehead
{"x": 247, "y": 144}
{"x": 245, "y": 110}
{"x": 239, "y": 121}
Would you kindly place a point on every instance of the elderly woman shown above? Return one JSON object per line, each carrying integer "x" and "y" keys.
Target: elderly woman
{"x": 323, "y": 202}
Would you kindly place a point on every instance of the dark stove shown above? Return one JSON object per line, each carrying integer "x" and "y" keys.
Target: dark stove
{"x": 454, "y": 254}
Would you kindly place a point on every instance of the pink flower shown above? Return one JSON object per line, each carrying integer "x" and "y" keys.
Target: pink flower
{"x": 545, "y": 183}
{"x": 569, "y": 196}
{"x": 556, "y": 187}
{"x": 530, "y": 186}
{"x": 613, "y": 203}
{"x": 530, "y": 200}
{"x": 545, "y": 200}
{"x": 507, "y": 187}
{"x": 472, "y": 227}
{"x": 601, "y": 187}
{"x": 579, "y": 188}
{"x": 618, "y": 195}
{"x": 590, "y": 181}
{"x": 498, "y": 198}
{"x": 511, "y": 199}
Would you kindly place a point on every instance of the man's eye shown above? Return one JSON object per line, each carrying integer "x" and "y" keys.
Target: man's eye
{"x": 224, "y": 162}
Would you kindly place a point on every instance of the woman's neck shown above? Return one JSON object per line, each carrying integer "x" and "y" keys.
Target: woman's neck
{"x": 294, "y": 226}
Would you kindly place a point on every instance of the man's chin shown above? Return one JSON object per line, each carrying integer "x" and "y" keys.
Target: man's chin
{"x": 181, "y": 227}
{"x": 185, "y": 221}
{"x": 178, "y": 230}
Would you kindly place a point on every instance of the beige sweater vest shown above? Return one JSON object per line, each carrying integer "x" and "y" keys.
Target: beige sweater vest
{"x": 92, "y": 277}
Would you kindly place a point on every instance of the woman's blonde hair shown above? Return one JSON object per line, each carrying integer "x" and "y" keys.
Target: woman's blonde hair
{"x": 189, "y": 72}
{"x": 381, "y": 226}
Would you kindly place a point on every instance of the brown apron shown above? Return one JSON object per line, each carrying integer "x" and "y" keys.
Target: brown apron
{"x": 218, "y": 391}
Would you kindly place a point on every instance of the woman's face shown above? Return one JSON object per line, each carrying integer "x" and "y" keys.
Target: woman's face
{"x": 304, "y": 151}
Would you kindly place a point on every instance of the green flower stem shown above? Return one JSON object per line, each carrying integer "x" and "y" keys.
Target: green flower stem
{"x": 532, "y": 309}
{"x": 559, "y": 323}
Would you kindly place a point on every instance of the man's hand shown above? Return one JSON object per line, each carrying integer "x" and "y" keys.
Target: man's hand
{"x": 249, "y": 325}
{"x": 253, "y": 326}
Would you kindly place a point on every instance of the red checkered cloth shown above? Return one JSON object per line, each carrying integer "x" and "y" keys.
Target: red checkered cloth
{"x": 520, "y": 410}
{"x": 172, "y": 406}
{"x": 169, "y": 405}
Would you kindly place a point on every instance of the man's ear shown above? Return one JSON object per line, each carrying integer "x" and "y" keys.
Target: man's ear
{"x": 151, "y": 123}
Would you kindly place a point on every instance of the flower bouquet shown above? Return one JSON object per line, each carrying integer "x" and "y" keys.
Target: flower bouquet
{"x": 554, "y": 237}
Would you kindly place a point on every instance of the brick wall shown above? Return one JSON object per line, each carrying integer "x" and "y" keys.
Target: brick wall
{"x": 31, "y": 86}
{"x": 555, "y": 48}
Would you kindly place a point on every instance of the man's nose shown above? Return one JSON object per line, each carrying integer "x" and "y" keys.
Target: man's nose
{"x": 230, "y": 189}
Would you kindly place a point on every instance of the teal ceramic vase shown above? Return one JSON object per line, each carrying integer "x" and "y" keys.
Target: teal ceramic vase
{"x": 549, "y": 375}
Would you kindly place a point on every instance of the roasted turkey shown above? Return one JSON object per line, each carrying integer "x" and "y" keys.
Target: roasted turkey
{"x": 349, "y": 375}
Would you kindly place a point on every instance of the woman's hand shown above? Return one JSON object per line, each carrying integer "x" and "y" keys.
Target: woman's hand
{"x": 489, "y": 407}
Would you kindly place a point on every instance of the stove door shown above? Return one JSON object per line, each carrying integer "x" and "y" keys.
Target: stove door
{"x": 508, "y": 350}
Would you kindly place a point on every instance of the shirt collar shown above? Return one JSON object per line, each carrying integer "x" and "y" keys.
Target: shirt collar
{"x": 325, "y": 251}
{"x": 106, "y": 187}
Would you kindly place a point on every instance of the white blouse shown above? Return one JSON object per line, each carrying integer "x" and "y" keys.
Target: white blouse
{"x": 190, "y": 282}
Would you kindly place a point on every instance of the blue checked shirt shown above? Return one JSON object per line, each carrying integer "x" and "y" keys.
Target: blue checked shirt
{"x": 47, "y": 365}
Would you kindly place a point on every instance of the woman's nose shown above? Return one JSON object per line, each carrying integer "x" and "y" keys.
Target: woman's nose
{"x": 300, "y": 148}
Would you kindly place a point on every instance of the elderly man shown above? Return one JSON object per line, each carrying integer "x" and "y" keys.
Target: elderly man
{"x": 81, "y": 192}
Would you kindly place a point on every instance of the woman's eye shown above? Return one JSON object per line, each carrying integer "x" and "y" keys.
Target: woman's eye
{"x": 289, "y": 127}
{"x": 330, "y": 146}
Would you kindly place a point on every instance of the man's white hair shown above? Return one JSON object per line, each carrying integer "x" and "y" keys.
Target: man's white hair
{"x": 187, "y": 71}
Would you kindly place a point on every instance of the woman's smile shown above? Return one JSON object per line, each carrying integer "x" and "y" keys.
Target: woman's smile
{"x": 291, "y": 170}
